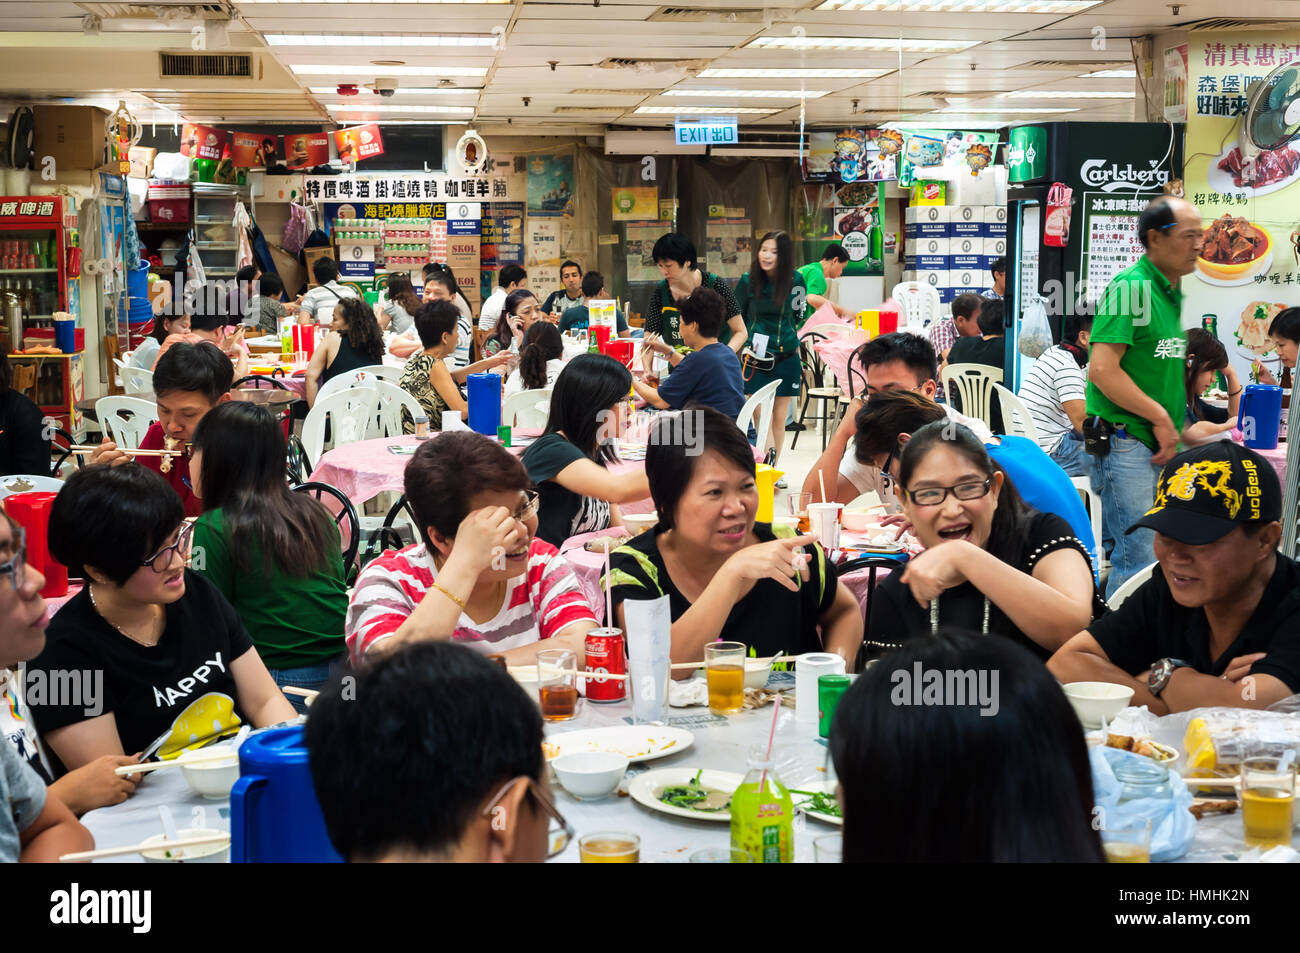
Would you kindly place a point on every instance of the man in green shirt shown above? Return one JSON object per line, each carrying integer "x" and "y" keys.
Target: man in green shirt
{"x": 817, "y": 274}
{"x": 1135, "y": 378}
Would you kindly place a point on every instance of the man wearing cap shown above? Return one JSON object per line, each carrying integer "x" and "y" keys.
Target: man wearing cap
{"x": 1218, "y": 624}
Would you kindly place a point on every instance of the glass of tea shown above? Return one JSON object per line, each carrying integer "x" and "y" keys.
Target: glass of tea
{"x": 829, "y": 849}
{"x": 1127, "y": 841}
{"x": 721, "y": 855}
{"x": 609, "y": 847}
{"x": 1267, "y": 794}
{"x": 725, "y": 671}
{"x": 798, "y": 504}
{"x": 557, "y": 684}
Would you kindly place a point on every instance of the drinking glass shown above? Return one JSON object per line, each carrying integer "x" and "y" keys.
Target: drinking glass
{"x": 557, "y": 684}
{"x": 1127, "y": 842}
{"x": 721, "y": 855}
{"x": 1267, "y": 794}
{"x": 798, "y": 504}
{"x": 725, "y": 673}
{"x": 610, "y": 847}
{"x": 829, "y": 849}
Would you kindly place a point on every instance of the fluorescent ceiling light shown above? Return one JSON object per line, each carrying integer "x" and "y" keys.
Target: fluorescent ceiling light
{"x": 961, "y": 6}
{"x": 410, "y": 122}
{"x": 790, "y": 73}
{"x": 321, "y": 69}
{"x": 407, "y": 91}
{"x": 1069, "y": 94}
{"x": 947, "y": 124}
{"x": 859, "y": 43}
{"x": 701, "y": 110}
{"x": 749, "y": 93}
{"x": 1001, "y": 110}
{"x": 1111, "y": 74}
{"x": 377, "y": 39}
{"x": 395, "y": 108}
{"x": 258, "y": 3}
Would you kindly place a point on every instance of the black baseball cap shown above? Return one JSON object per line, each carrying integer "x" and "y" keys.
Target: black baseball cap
{"x": 1205, "y": 493}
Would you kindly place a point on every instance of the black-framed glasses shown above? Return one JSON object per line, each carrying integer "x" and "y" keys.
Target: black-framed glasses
{"x": 934, "y": 495}
{"x": 886, "y": 477}
{"x": 559, "y": 834}
{"x": 182, "y": 546}
{"x": 532, "y": 503}
{"x": 16, "y": 567}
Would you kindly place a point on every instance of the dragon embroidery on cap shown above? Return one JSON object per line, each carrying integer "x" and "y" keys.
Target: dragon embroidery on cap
{"x": 1211, "y": 475}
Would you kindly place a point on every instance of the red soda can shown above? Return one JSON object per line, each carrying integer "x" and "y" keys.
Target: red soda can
{"x": 605, "y": 655}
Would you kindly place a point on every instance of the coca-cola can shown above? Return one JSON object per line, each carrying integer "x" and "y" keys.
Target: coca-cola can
{"x": 605, "y": 655}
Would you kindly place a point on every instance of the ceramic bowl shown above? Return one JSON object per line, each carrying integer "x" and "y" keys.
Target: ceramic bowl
{"x": 204, "y": 854}
{"x": 1094, "y": 701}
{"x": 590, "y": 775}
{"x": 212, "y": 779}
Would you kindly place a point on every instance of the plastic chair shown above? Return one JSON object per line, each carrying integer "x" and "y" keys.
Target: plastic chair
{"x": 520, "y": 409}
{"x": 1092, "y": 503}
{"x": 390, "y": 401}
{"x": 126, "y": 419}
{"x": 296, "y": 464}
{"x": 920, "y": 303}
{"x": 26, "y": 482}
{"x": 1130, "y": 585}
{"x": 349, "y": 413}
{"x": 974, "y": 384}
{"x": 873, "y": 564}
{"x": 61, "y": 444}
{"x": 1016, "y": 418}
{"x": 819, "y": 386}
{"x": 385, "y": 373}
{"x": 345, "y": 518}
{"x": 761, "y": 403}
{"x": 136, "y": 380}
{"x": 361, "y": 377}
{"x": 256, "y": 381}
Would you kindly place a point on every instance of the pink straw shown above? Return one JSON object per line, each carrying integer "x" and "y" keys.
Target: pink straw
{"x": 771, "y": 735}
{"x": 609, "y": 599}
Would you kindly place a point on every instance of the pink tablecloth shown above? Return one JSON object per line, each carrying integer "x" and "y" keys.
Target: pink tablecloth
{"x": 1277, "y": 457}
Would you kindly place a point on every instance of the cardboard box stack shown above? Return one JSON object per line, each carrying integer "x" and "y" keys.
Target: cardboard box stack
{"x": 950, "y": 247}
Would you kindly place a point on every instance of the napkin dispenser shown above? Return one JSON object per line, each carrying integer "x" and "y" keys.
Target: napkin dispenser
{"x": 274, "y": 815}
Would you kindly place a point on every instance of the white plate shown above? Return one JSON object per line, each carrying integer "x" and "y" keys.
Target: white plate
{"x": 822, "y": 787}
{"x": 1246, "y": 278}
{"x": 637, "y": 742}
{"x": 1221, "y": 181}
{"x": 644, "y": 788}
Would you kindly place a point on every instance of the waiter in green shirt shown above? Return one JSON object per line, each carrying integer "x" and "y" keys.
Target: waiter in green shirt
{"x": 818, "y": 274}
{"x": 1135, "y": 379}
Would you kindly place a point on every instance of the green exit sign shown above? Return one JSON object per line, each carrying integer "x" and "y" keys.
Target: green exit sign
{"x": 706, "y": 132}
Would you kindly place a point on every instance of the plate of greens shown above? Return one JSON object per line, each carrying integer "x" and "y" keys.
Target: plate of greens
{"x": 817, "y": 799}
{"x": 697, "y": 793}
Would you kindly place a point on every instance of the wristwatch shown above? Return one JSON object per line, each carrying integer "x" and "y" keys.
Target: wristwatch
{"x": 1162, "y": 671}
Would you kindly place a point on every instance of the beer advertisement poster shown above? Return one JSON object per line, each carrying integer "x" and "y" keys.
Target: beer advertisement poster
{"x": 306, "y": 150}
{"x": 202, "y": 142}
{"x": 253, "y": 150}
{"x": 359, "y": 142}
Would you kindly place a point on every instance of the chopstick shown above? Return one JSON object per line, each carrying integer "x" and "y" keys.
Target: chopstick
{"x": 127, "y": 769}
{"x": 303, "y": 692}
{"x": 140, "y": 848}
{"x": 83, "y": 451}
{"x": 532, "y": 670}
{"x": 1212, "y": 782}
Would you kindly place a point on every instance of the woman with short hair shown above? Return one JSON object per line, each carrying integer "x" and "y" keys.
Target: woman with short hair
{"x": 678, "y": 263}
{"x": 426, "y": 376}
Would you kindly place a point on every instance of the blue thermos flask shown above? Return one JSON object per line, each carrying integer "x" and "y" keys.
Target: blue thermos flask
{"x": 1260, "y": 415}
{"x": 274, "y": 815}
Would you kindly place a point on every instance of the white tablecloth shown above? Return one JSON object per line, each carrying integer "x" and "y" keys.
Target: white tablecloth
{"x": 137, "y": 818}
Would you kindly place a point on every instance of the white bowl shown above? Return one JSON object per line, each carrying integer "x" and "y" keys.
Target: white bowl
{"x": 1094, "y": 701}
{"x": 859, "y": 521}
{"x": 203, "y": 854}
{"x": 637, "y": 523}
{"x": 212, "y": 779}
{"x": 756, "y": 672}
{"x": 590, "y": 775}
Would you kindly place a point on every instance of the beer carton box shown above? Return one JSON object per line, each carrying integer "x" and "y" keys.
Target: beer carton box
{"x": 967, "y": 280}
{"x": 926, "y": 229}
{"x": 995, "y": 229}
{"x": 947, "y": 294}
{"x": 935, "y": 279}
{"x": 927, "y": 214}
{"x": 966, "y": 245}
{"x": 966, "y": 213}
{"x": 927, "y": 246}
{"x": 958, "y": 263}
{"x": 931, "y": 262}
{"x": 995, "y": 214}
{"x": 995, "y": 246}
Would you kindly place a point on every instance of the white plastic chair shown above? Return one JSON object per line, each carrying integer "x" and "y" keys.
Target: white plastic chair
{"x": 126, "y": 419}
{"x": 362, "y": 377}
{"x": 1092, "y": 503}
{"x": 349, "y": 411}
{"x": 136, "y": 380}
{"x": 27, "y": 482}
{"x": 521, "y": 408}
{"x": 920, "y": 303}
{"x": 385, "y": 373}
{"x": 1130, "y": 585}
{"x": 390, "y": 401}
{"x": 974, "y": 386}
{"x": 1016, "y": 418}
{"x": 761, "y": 402}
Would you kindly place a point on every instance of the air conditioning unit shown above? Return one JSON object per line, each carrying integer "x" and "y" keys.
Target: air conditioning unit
{"x": 646, "y": 142}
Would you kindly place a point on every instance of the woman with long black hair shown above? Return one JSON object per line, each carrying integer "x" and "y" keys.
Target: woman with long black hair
{"x": 398, "y": 312}
{"x": 146, "y": 355}
{"x": 521, "y": 312}
{"x": 568, "y": 463}
{"x": 541, "y": 358}
{"x": 275, "y": 555}
{"x": 353, "y": 341}
{"x": 1206, "y": 357}
{"x": 772, "y": 297}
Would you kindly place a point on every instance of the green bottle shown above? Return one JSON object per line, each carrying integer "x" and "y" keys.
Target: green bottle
{"x": 762, "y": 821}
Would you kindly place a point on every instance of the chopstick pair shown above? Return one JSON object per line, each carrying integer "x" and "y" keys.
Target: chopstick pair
{"x": 139, "y": 848}
{"x": 85, "y": 451}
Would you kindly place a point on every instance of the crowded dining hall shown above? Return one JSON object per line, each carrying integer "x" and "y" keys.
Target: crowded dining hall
{"x": 444, "y": 437}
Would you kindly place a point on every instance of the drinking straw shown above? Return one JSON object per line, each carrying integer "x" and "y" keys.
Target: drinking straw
{"x": 821, "y": 478}
{"x": 776, "y": 710}
{"x": 609, "y": 599}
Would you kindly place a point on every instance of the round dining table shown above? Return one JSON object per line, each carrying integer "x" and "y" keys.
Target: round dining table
{"x": 269, "y": 396}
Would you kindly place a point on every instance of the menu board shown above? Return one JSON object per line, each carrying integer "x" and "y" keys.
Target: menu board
{"x": 1110, "y": 238}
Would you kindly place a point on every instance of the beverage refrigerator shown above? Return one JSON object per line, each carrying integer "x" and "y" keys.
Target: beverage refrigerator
{"x": 1113, "y": 170}
{"x": 40, "y": 274}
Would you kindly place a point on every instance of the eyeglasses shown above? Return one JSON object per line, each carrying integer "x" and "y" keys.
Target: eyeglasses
{"x": 16, "y": 567}
{"x": 887, "y": 478}
{"x": 558, "y": 832}
{"x": 934, "y": 495}
{"x": 532, "y": 503}
{"x": 182, "y": 546}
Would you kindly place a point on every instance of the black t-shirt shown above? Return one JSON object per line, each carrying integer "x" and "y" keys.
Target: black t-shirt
{"x": 24, "y": 447}
{"x": 768, "y": 618}
{"x": 182, "y": 685}
{"x": 561, "y": 512}
{"x": 897, "y": 616}
{"x": 1149, "y": 625}
{"x": 976, "y": 350}
{"x": 1207, "y": 412}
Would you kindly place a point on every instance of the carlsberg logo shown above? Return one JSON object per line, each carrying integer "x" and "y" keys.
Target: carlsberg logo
{"x": 1109, "y": 177}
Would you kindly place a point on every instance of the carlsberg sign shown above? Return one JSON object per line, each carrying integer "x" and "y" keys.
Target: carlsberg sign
{"x": 1111, "y": 177}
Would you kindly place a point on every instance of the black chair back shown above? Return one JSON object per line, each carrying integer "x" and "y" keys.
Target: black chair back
{"x": 61, "y": 444}
{"x": 872, "y": 564}
{"x": 345, "y": 518}
{"x": 257, "y": 381}
{"x": 296, "y": 467}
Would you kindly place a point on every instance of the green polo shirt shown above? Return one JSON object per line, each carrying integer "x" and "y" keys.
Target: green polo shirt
{"x": 814, "y": 278}
{"x": 1141, "y": 309}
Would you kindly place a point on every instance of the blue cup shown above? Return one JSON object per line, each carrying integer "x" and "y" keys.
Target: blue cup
{"x": 65, "y": 335}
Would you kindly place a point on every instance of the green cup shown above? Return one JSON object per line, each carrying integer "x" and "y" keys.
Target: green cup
{"x": 503, "y": 434}
{"x": 830, "y": 688}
